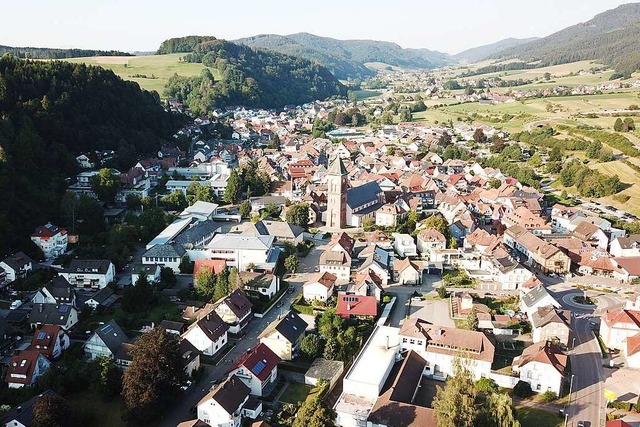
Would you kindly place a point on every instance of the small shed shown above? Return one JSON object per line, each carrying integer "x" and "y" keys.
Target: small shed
{"x": 323, "y": 369}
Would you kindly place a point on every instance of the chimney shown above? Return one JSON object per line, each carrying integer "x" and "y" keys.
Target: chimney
{"x": 40, "y": 308}
{"x": 348, "y": 306}
{"x": 19, "y": 409}
{"x": 387, "y": 342}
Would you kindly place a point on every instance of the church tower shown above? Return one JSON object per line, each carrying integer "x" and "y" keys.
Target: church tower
{"x": 337, "y": 194}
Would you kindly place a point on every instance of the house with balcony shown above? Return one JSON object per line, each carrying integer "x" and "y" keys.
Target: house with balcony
{"x": 89, "y": 273}
{"x": 404, "y": 245}
{"x": 51, "y": 239}
{"x": 57, "y": 291}
{"x": 551, "y": 324}
{"x": 50, "y": 340}
{"x": 266, "y": 284}
{"x": 63, "y": 315}
{"x": 283, "y": 335}
{"x": 242, "y": 251}
{"x": 224, "y": 405}
{"x": 25, "y": 367}
{"x": 536, "y": 252}
{"x": 14, "y": 267}
{"x": 108, "y": 341}
{"x": 543, "y": 366}
{"x": 208, "y": 333}
{"x": 257, "y": 369}
{"x": 235, "y": 311}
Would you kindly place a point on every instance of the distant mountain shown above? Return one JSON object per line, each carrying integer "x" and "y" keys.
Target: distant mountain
{"x": 49, "y": 53}
{"x": 346, "y": 58}
{"x": 612, "y": 37}
{"x": 481, "y": 53}
{"x": 248, "y": 77}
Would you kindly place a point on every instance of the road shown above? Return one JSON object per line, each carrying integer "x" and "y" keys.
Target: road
{"x": 587, "y": 399}
{"x": 181, "y": 412}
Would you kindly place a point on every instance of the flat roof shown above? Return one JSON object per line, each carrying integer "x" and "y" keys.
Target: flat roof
{"x": 379, "y": 352}
{"x": 171, "y": 231}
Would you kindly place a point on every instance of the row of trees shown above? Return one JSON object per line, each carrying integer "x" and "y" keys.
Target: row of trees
{"x": 216, "y": 286}
{"x": 250, "y": 180}
{"x": 335, "y": 340}
{"x": 589, "y": 182}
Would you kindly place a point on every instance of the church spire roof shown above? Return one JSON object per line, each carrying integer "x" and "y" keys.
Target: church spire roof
{"x": 337, "y": 167}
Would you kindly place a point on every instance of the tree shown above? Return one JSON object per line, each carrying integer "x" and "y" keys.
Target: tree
{"x": 110, "y": 377}
{"x": 453, "y": 242}
{"x": 405, "y": 115}
{"x": 205, "y": 282}
{"x": 152, "y": 381}
{"x": 291, "y": 263}
{"x": 234, "y": 188}
{"x": 105, "y": 184}
{"x": 51, "y": 411}
{"x": 298, "y": 214}
{"x": 134, "y": 201}
{"x": 556, "y": 154}
{"x": 313, "y": 412}
{"x": 442, "y": 292}
{"x": 486, "y": 385}
{"x": 617, "y": 126}
{"x": 138, "y": 297}
{"x": 547, "y": 76}
{"x": 522, "y": 389}
{"x": 222, "y": 285}
{"x": 234, "y": 280}
{"x": 471, "y": 322}
{"x": 439, "y": 223}
{"x": 455, "y": 404}
{"x": 199, "y": 192}
{"x": 497, "y": 145}
{"x": 167, "y": 277}
{"x": 368, "y": 224}
{"x": 479, "y": 136}
{"x": 498, "y": 411}
{"x": 175, "y": 200}
{"x": 245, "y": 209}
{"x": 311, "y": 346}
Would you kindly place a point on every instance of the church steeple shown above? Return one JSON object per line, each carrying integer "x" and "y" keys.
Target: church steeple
{"x": 337, "y": 182}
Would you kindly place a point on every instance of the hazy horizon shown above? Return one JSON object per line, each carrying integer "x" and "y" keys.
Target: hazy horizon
{"x": 450, "y": 27}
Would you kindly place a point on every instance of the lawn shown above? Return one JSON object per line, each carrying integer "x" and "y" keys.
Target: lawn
{"x": 156, "y": 68}
{"x": 105, "y": 413}
{"x": 296, "y": 392}
{"x": 531, "y": 417}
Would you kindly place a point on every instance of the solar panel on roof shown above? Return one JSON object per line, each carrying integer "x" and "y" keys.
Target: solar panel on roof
{"x": 108, "y": 328}
{"x": 259, "y": 367}
{"x": 64, "y": 308}
{"x": 42, "y": 335}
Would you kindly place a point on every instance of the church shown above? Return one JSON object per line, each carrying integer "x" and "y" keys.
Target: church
{"x": 348, "y": 207}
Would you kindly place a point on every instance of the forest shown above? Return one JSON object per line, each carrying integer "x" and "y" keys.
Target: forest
{"x": 49, "y": 113}
{"x": 252, "y": 78}
{"x": 47, "y": 53}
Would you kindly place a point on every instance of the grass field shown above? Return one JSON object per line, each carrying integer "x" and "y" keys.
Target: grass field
{"x": 531, "y": 417}
{"x": 296, "y": 392}
{"x": 159, "y": 66}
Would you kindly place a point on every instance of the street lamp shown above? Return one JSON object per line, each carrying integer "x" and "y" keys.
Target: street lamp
{"x": 573, "y": 343}
{"x": 566, "y": 411}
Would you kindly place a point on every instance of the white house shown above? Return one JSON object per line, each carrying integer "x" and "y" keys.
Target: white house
{"x": 208, "y": 334}
{"x": 263, "y": 283}
{"x": 535, "y": 298}
{"x": 105, "y": 297}
{"x": 258, "y": 369}
{"x": 106, "y": 341}
{"x": 164, "y": 255}
{"x": 22, "y": 415}
{"x": 88, "y": 273}
{"x": 320, "y": 287}
{"x": 551, "y": 324}
{"x": 15, "y": 266}
{"x": 57, "y": 291}
{"x": 151, "y": 271}
{"x": 283, "y": 335}
{"x": 241, "y": 251}
{"x": 626, "y": 246}
{"x": 63, "y": 315}
{"x": 50, "y": 340}
{"x": 619, "y": 325}
{"x": 223, "y": 405}
{"x": 235, "y": 311}
{"x": 336, "y": 259}
{"x": 407, "y": 272}
{"x": 404, "y": 245}
{"x": 430, "y": 240}
{"x": 52, "y": 240}
{"x": 440, "y": 346}
{"x": 542, "y": 365}
{"x": 25, "y": 368}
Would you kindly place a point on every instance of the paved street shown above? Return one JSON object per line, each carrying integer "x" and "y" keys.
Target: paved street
{"x": 193, "y": 395}
{"x": 587, "y": 400}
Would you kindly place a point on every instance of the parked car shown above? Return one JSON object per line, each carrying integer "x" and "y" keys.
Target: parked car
{"x": 291, "y": 289}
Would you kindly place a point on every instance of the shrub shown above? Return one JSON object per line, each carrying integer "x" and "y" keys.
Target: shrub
{"x": 549, "y": 396}
{"x": 522, "y": 389}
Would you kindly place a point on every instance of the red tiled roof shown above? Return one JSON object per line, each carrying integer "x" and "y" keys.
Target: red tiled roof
{"x": 44, "y": 339}
{"x": 260, "y": 355}
{"x": 213, "y": 265}
{"x": 22, "y": 364}
{"x": 622, "y": 316}
{"x": 356, "y": 305}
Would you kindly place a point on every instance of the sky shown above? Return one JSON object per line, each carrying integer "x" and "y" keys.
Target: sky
{"x": 141, "y": 25}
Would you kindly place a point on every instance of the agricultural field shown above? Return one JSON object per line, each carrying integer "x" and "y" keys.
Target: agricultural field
{"x": 151, "y": 72}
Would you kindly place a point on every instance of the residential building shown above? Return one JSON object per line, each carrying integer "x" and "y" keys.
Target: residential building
{"x": 440, "y": 346}
{"x": 258, "y": 369}
{"x": 538, "y": 253}
{"x": 241, "y": 251}
{"x": 543, "y": 366}
{"x": 57, "y": 291}
{"x": 336, "y": 259}
{"x": 150, "y": 271}
{"x": 282, "y": 232}
{"x": 222, "y": 406}
{"x": 320, "y": 287}
{"x": 89, "y": 273}
{"x": 404, "y": 245}
{"x": 14, "y": 267}
{"x": 532, "y": 299}
{"x": 429, "y": 241}
{"x": 283, "y": 335}
{"x": 527, "y": 220}
{"x": 323, "y": 369}
{"x": 164, "y": 255}
{"x": 551, "y": 324}
{"x": 49, "y": 340}
{"x": 626, "y": 246}
{"x": 51, "y": 239}
{"x": 63, "y": 315}
{"x": 266, "y": 284}
{"x": 105, "y": 297}
{"x": 357, "y": 306}
{"x": 25, "y": 368}
{"x": 407, "y": 272}
{"x": 106, "y": 341}
{"x": 22, "y": 415}
{"x": 208, "y": 333}
{"x": 619, "y": 325}
{"x": 235, "y": 311}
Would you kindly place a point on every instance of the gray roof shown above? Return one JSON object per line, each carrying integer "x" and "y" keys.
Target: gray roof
{"x": 535, "y": 295}
{"x": 627, "y": 242}
{"x": 17, "y": 260}
{"x": 291, "y": 326}
{"x": 268, "y": 200}
{"x": 238, "y": 241}
{"x": 545, "y": 315}
{"x": 99, "y": 266}
{"x": 165, "y": 251}
{"x": 324, "y": 369}
{"x": 102, "y": 295}
{"x": 197, "y": 232}
{"x": 276, "y": 229}
{"x": 23, "y": 413}
{"x": 112, "y": 336}
{"x": 366, "y": 193}
{"x": 60, "y": 288}
{"x": 50, "y": 314}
